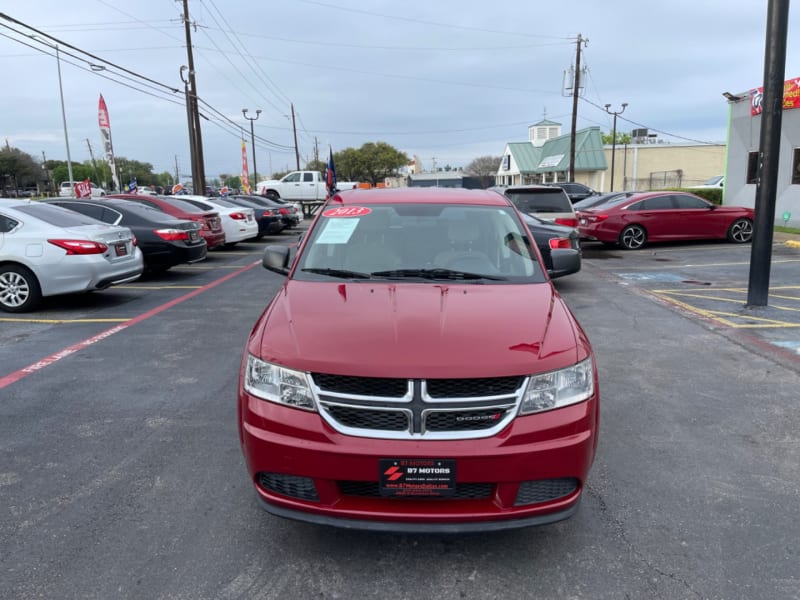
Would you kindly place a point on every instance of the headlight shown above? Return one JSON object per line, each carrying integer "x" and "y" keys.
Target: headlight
{"x": 277, "y": 384}
{"x": 558, "y": 388}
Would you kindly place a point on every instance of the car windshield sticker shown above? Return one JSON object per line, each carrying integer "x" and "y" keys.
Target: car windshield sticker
{"x": 347, "y": 211}
{"x": 337, "y": 231}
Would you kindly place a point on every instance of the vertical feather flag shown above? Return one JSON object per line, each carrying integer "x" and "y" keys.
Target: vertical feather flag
{"x": 105, "y": 131}
{"x": 245, "y": 175}
{"x": 330, "y": 174}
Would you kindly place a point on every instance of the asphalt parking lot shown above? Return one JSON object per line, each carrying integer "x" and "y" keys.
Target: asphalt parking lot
{"x": 121, "y": 474}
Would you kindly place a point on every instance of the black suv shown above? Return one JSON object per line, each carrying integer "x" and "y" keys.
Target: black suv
{"x": 575, "y": 191}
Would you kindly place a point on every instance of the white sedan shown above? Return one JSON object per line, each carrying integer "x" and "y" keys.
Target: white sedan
{"x": 239, "y": 222}
{"x": 46, "y": 250}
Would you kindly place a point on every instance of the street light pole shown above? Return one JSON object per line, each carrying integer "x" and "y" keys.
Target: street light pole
{"x": 614, "y": 139}
{"x": 64, "y": 119}
{"x": 253, "y": 144}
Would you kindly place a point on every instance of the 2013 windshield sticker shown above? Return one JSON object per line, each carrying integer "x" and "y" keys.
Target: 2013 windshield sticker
{"x": 337, "y": 231}
{"x": 347, "y": 211}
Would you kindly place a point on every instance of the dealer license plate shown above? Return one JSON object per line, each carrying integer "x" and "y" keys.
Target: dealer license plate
{"x": 121, "y": 249}
{"x": 420, "y": 477}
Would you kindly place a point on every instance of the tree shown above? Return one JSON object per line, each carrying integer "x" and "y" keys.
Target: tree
{"x": 18, "y": 170}
{"x": 622, "y": 138}
{"x": 316, "y": 165}
{"x": 484, "y": 168}
{"x": 373, "y": 162}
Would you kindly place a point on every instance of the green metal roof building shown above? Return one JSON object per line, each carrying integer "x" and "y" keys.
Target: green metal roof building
{"x": 546, "y": 160}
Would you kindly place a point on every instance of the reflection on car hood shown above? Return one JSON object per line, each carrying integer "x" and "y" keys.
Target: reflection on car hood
{"x": 418, "y": 330}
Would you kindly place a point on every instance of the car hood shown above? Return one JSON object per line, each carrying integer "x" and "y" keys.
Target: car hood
{"x": 418, "y": 330}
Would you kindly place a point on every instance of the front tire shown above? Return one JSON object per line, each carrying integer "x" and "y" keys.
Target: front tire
{"x": 272, "y": 195}
{"x": 633, "y": 237}
{"x": 740, "y": 231}
{"x": 19, "y": 289}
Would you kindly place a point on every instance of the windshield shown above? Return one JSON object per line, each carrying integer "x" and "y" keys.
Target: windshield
{"x": 475, "y": 244}
{"x": 542, "y": 201}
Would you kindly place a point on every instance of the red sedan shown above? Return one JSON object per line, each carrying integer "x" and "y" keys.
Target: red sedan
{"x": 632, "y": 221}
{"x": 210, "y": 222}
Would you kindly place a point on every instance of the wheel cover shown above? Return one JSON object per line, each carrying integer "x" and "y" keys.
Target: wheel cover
{"x": 742, "y": 231}
{"x": 633, "y": 237}
{"x": 14, "y": 289}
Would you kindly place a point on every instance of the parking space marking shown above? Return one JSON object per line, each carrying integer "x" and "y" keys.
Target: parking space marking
{"x": 57, "y": 321}
{"x": 70, "y": 350}
{"x": 683, "y": 298}
{"x": 159, "y": 287}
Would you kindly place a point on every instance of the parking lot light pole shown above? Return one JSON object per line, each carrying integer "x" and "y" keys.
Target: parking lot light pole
{"x": 253, "y": 143}
{"x": 614, "y": 139}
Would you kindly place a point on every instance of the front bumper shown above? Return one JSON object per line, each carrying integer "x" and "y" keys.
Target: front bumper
{"x": 303, "y": 469}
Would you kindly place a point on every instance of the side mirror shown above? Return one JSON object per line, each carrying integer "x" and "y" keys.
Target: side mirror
{"x": 276, "y": 259}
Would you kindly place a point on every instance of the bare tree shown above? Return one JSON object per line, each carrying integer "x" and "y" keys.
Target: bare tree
{"x": 485, "y": 168}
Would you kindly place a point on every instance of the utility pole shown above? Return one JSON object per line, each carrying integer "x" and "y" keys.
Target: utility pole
{"x": 177, "y": 173}
{"x": 316, "y": 150}
{"x": 614, "y": 139}
{"x": 198, "y": 172}
{"x": 253, "y": 143}
{"x": 94, "y": 162}
{"x": 294, "y": 129}
{"x": 190, "y": 121}
{"x": 575, "y": 92}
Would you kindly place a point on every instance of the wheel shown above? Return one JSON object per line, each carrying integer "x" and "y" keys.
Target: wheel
{"x": 272, "y": 195}
{"x": 633, "y": 237}
{"x": 740, "y": 231}
{"x": 19, "y": 289}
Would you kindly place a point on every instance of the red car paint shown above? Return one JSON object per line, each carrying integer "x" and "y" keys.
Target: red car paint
{"x": 664, "y": 217}
{"x": 437, "y": 333}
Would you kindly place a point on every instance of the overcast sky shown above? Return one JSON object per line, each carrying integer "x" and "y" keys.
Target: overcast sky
{"x": 444, "y": 80}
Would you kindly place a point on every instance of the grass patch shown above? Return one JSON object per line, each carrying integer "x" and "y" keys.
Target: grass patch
{"x": 781, "y": 229}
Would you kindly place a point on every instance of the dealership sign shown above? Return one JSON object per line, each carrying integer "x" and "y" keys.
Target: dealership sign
{"x": 791, "y": 96}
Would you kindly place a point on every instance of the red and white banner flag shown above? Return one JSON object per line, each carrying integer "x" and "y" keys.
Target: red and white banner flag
{"x": 105, "y": 131}
{"x": 83, "y": 189}
{"x": 245, "y": 175}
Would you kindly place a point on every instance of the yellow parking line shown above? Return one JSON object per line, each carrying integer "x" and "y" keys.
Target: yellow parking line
{"x": 198, "y": 268}
{"x": 161, "y": 287}
{"x": 724, "y": 317}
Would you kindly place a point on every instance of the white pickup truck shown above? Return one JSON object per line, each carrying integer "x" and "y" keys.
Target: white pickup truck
{"x": 303, "y": 186}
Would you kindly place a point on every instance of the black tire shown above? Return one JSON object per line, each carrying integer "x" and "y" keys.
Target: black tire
{"x": 633, "y": 237}
{"x": 19, "y": 289}
{"x": 740, "y": 231}
{"x": 272, "y": 195}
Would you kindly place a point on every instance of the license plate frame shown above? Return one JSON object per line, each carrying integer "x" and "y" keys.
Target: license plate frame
{"x": 121, "y": 249}
{"x": 417, "y": 477}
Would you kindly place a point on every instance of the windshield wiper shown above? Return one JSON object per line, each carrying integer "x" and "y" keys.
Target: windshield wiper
{"x": 344, "y": 273}
{"x": 434, "y": 274}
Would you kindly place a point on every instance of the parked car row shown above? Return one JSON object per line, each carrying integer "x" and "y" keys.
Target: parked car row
{"x": 70, "y": 245}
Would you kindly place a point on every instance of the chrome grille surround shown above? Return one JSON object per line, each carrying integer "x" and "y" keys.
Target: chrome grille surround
{"x": 416, "y": 415}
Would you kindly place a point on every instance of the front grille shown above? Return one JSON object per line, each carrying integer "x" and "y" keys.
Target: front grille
{"x": 365, "y": 418}
{"x": 544, "y": 490}
{"x": 467, "y": 420}
{"x": 467, "y": 388}
{"x": 464, "y": 491}
{"x": 362, "y": 386}
{"x": 302, "y": 488}
{"x": 397, "y": 408}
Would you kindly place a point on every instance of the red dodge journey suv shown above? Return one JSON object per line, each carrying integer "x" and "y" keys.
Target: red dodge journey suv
{"x": 417, "y": 371}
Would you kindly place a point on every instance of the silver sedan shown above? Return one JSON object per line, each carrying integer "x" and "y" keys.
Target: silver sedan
{"x": 46, "y": 250}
